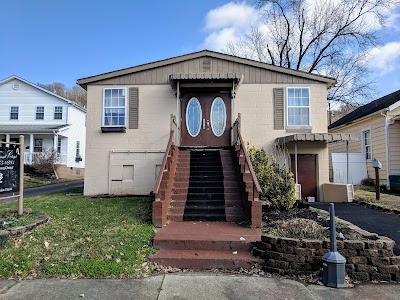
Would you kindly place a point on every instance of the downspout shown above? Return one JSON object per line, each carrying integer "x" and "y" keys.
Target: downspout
{"x": 178, "y": 115}
{"x": 232, "y": 109}
{"x": 295, "y": 161}
{"x": 387, "y": 123}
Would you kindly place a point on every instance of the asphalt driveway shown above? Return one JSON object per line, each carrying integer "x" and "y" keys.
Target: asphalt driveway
{"x": 372, "y": 220}
{"x": 46, "y": 189}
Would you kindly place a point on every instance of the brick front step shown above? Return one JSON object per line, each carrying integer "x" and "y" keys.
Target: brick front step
{"x": 201, "y": 260}
{"x": 205, "y": 245}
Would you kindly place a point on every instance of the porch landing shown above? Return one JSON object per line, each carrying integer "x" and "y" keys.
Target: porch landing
{"x": 206, "y": 245}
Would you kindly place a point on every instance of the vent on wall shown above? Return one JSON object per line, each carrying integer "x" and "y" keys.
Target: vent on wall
{"x": 207, "y": 65}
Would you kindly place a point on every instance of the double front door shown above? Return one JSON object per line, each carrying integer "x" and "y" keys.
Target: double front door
{"x": 206, "y": 120}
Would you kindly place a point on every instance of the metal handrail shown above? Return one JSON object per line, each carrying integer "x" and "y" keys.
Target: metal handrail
{"x": 164, "y": 163}
{"x": 248, "y": 161}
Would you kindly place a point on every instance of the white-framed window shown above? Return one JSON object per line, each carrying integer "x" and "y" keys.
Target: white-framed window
{"x": 39, "y": 112}
{"x": 38, "y": 145}
{"x": 14, "y": 112}
{"x": 298, "y": 106}
{"x": 58, "y": 111}
{"x": 367, "y": 143}
{"x": 59, "y": 145}
{"x": 114, "y": 107}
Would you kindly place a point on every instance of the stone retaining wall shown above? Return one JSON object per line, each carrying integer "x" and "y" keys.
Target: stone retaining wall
{"x": 366, "y": 259}
{"x": 18, "y": 230}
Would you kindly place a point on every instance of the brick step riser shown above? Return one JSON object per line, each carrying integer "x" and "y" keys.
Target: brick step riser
{"x": 195, "y": 208}
{"x": 186, "y": 178}
{"x": 194, "y": 184}
{"x": 199, "y": 190}
{"x": 226, "y": 197}
{"x": 203, "y": 245}
{"x": 206, "y": 190}
{"x": 228, "y": 203}
{"x": 204, "y": 218}
{"x": 204, "y": 264}
{"x": 215, "y": 174}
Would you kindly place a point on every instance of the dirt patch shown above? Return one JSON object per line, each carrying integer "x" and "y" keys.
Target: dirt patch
{"x": 304, "y": 224}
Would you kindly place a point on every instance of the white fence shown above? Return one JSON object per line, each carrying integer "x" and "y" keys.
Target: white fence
{"x": 357, "y": 167}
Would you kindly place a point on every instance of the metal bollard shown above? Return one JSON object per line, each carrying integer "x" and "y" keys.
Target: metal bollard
{"x": 333, "y": 263}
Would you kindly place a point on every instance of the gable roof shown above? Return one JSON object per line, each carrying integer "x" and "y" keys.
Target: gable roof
{"x": 368, "y": 109}
{"x": 42, "y": 89}
{"x": 204, "y": 53}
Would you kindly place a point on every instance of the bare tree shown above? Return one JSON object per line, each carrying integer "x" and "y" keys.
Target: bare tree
{"x": 76, "y": 93}
{"x": 326, "y": 37}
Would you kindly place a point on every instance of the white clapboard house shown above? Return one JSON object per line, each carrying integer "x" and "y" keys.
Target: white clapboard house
{"x": 46, "y": 120}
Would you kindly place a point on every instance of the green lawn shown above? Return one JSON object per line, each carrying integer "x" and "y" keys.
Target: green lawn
{"x": 85, "y": 237}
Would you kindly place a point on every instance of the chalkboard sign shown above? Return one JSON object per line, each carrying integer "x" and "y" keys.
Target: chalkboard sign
{"x": 9, "y": 169}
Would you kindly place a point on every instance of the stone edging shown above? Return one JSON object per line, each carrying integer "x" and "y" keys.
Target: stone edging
{"x": 15, "y": 231}
{"x": 367, "y": 260}
{"x": 374, "y": 206}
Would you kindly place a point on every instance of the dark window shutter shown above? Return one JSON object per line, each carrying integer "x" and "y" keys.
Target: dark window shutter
{"x": 133, "y": 108}
{"x": 279, "y": 105}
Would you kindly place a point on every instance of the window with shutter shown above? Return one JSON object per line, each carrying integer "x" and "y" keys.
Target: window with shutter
{"x": 278, "y": 109}
{"x": 133, "y": 108}
{"x": 114, "y": 110}
{"x": 298, "y": 106}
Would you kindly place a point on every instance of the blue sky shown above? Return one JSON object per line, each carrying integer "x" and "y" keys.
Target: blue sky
{"x": 45, "y": 41}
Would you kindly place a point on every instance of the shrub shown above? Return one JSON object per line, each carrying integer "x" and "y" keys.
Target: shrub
{"x": 276, "y": 182}
{"x": 43, "y": 162}
{"x": 368, "y": 182}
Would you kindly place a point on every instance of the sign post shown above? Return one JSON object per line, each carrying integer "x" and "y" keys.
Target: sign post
{"x": 12, "y": 170}
{"x": 21, "y": 176}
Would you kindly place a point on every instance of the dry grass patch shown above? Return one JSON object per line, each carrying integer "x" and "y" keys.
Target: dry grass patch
{"x": 367, "y": 195}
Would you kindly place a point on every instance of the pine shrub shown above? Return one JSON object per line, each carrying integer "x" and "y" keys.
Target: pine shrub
{"x": 276, "y": 181}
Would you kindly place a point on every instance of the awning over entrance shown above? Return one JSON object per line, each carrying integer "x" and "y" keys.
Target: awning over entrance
{"x": 204, "y": 80}
{"x": 316, "y": 137}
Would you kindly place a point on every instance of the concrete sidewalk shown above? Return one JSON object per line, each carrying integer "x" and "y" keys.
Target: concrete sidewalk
{"x": 191, "y": 286}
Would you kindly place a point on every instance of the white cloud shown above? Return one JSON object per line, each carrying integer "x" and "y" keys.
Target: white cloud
{"x": 236, "y": 15}
{"x": 384, "y": 58}
{"x": 228, "y": 23}
{"x": 393, "y": 20}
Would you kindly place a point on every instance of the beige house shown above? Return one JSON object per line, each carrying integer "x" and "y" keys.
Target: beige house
{"x": 130, "y": 114}
{"x": 377, "y": 128}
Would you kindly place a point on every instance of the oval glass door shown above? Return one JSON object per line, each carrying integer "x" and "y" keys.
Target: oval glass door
{"x": 218, "y": 117}
{"x": 193, "y": 117}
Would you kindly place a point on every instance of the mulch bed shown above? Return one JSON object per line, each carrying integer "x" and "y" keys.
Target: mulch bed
{"x": 303, "y": 224}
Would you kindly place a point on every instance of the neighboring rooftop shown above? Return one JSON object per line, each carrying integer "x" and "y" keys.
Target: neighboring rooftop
{"x": 367, "y": 109}
{"x": 31, "y": 128}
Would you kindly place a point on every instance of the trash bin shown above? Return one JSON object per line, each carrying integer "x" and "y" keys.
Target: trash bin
{"x": 333, "y": 270}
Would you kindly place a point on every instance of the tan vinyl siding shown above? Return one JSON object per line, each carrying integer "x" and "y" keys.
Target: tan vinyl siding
{"x": 160, "y": 75}
{"x": 394, "y": 148}
{"x": 377, "y": 126}
{"x": 279, "y": 111}
{"x": 133, "y": 108}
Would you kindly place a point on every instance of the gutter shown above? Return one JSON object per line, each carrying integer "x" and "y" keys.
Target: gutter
{"x": 379, "y": 112}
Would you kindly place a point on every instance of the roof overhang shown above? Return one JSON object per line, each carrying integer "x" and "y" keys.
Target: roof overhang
{"x": 315, "y": 137}
{"x": 83, "y": 82}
